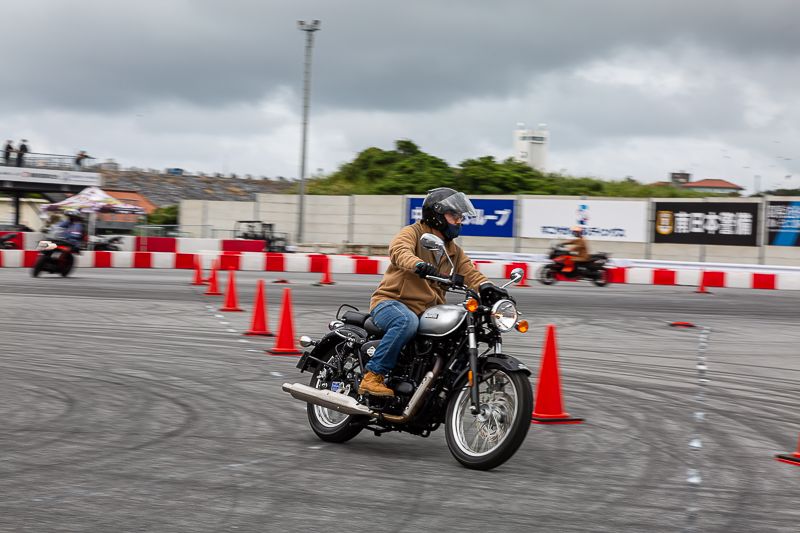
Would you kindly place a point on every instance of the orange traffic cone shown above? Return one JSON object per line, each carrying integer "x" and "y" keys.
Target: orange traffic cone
{"x": 547, "y": 407}
{"x": 285, "y": 343}
{"x": 326, "y": 279}
{"x": 231, "y": 300}
{"x": 258, "y": 325}
{"x": 198, "y": 273}
{"x": 213, "y": 282}
{"x": 701, "y": 289}
{"x": 791, "y": 458}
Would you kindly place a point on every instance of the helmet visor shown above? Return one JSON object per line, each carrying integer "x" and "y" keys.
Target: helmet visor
{"x": 458, "y": 204}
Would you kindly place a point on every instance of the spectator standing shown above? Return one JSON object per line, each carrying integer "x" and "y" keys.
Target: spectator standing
{"x": 79, "y": 159}
{"x": 9, "y": 149}
{"x": 21, "y": 151}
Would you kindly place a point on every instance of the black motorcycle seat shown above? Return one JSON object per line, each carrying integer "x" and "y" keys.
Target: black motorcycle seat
{"x": 372, "y": 328}
{"x": 362, "y": 320}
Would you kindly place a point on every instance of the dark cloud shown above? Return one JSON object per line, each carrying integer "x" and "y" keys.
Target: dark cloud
{"x": 370, "y": 55}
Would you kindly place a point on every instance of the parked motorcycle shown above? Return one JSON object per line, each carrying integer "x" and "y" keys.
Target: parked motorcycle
{"x": 483, "y": 399}
{"x": 7, "y": 241}
{"x": 108, "y": 244}
{"x": 562, "y": 263}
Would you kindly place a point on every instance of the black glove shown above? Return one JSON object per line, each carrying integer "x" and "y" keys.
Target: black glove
{"x": 423, "y": 269}
{"x": 492, "y": 293}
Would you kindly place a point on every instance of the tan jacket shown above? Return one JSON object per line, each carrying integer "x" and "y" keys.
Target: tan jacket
{"x": 579, "y": 248}
{"x": 400, "y": 283}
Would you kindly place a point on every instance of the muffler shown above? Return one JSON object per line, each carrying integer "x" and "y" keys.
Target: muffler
{"x": 328, "y": 399}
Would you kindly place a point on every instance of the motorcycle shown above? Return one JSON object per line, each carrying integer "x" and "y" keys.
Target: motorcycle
{"x": 56, "y": 256}
{"x": 483, "y": 399}
{"x": 108, "y": 244}
{"x": 561, "y": 263}
{"x": 7, "y": 241}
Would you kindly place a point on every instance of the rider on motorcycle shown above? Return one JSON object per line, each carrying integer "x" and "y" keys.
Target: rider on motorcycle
{"x": 404, "y": 294}
{"x": 578, "y": 247}
{"x": 72, "y": 228}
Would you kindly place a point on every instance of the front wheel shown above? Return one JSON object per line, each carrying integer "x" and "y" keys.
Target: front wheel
{"x": 39, "y": 266}
{"x": 546, "y": 275}
{"x": 489, "y": 439}
{"x": 328, "y": 424}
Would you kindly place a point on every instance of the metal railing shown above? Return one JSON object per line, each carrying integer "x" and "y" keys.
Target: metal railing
{"x": 173, "y": 230}
{"x": 51, "y": 162}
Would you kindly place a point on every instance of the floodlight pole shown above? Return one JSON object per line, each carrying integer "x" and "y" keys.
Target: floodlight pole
{"x": 309, "y": 28}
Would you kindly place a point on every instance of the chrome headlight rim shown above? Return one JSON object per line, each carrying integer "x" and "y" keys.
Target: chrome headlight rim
{"x": 499, "y": 321}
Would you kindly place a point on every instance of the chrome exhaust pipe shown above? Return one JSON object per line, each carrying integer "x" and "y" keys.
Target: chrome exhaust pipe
{"x": 328, "y": 399}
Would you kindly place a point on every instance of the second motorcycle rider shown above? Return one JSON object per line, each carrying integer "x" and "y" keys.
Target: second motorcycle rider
{"x": 404, "y": 293}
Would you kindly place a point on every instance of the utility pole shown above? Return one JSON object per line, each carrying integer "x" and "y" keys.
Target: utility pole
{"x": 309, "y": 28}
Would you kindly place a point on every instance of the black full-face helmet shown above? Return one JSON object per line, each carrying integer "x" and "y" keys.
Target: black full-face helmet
{"x": 445, "y": 200}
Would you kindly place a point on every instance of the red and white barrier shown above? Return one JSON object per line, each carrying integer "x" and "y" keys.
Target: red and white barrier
{"x": 370, "y": 265}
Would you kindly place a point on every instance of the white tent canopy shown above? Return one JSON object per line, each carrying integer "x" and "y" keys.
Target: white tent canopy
{"x": 93, "y": 200}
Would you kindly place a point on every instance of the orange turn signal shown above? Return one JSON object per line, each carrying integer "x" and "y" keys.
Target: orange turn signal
{"x": 471, "y": 305}
{"x": 522, "y": 326}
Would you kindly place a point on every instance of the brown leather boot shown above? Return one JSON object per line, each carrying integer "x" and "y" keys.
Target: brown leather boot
{"x": 373, "y": 384}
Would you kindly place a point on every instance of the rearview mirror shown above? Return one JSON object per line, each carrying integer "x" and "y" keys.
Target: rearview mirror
{"x": 431, "y": 242}
{"x": 515, "y": 275}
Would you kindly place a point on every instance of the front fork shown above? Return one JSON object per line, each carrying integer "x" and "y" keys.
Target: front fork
{"x": 474, "y": 376}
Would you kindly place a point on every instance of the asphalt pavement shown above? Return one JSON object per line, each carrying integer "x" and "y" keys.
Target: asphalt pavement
{"x": 128, "y": 402}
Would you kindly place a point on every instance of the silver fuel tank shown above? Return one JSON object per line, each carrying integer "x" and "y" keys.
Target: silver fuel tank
{"x": 441, "y": 320}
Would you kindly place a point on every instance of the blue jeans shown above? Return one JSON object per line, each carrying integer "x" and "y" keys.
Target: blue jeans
{"x": 399, "y": 324}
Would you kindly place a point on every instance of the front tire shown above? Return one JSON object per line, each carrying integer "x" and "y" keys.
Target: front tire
{"x": 546, "y": 275}
{"x": 489, "y": 439}
{"x": 328, "y": 424}
{"x": 38, "y": 266}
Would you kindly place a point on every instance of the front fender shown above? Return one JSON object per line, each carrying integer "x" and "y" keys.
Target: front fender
{"x": 509, "y": 363}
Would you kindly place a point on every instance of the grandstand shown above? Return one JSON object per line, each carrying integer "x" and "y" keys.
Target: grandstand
{"x": 165, "y": 188}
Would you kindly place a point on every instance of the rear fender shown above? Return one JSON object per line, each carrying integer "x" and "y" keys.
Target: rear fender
{"x": 310, "y": 359}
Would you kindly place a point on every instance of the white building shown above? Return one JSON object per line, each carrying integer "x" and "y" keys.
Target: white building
{"x": 530, "y": 146}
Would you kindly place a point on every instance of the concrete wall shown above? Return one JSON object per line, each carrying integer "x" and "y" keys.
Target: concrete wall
{"x": 204, "y": 219}
{"x": 374, "y": 220}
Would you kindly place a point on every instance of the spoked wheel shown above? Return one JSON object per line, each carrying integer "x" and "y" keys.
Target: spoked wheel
{"x": 488, "y": 439}
{"x": 601, "y": 278}
{"x": 546, "y": 275}
{"x": 328, "y": 424}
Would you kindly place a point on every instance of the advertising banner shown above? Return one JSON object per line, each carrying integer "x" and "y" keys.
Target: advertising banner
{"x": 495, "y": 217}
{"x": 783, "y": 223}
{"x": 39, "y": 175}
{"x": 726, "y": 223}
{"x": 603, "y": 220}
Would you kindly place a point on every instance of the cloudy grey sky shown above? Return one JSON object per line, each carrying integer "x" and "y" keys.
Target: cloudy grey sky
{"x": 627, "y": 87}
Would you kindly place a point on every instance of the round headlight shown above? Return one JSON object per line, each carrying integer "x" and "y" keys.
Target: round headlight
{"x": 504, "y": 315}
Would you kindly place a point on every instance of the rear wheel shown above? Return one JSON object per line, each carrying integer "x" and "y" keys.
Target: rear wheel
{"x": 601, "y": 277}
{"x": 67, "y": 262}
{"x": 546, "y": 275}
{"x": 328, "y": 424}
{"x": 488, "y": 439}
